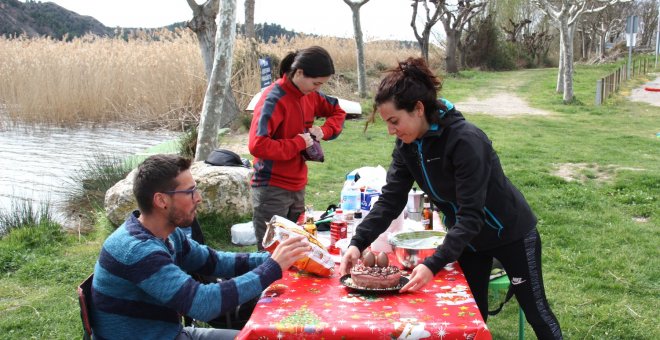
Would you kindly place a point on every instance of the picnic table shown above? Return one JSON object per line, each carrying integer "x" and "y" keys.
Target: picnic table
{"x": 304, "y": 306}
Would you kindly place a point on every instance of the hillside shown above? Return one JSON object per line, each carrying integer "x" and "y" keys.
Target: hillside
{"x": 45, "y": 19}
{"x": 33, "y": 18}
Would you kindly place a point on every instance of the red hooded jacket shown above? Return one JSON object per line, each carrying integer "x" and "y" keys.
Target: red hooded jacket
{"x": 281, "y": 114}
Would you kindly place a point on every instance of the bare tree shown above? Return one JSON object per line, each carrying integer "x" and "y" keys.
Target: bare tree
{"x": 565, "y": 15}
{"x": 249, "y": 19}
{"x": 586, "y": 31}
{"x": 516, "y": 28}
{"x": 204, "y": 26}
{"x": 647, "y": 10}
{"x": 606, "y": 21}
{"x": 454, "y": 18}
{"x": 537, "y": 45}
{"x": 219, "y": 81}
{"x": 431, "y": 20}
{"x": 357, "y": 31}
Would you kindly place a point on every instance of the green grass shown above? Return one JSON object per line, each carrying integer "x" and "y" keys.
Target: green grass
{"x": 23, "y": 213}
{"x": 600, "y": 235}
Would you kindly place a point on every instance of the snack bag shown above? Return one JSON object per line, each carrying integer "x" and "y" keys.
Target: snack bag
{"x": 318, "y": 261}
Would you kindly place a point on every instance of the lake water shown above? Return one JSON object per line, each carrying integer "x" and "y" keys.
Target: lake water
{"x": 36, "y": 162}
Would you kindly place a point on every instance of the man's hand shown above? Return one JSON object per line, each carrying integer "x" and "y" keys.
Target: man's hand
{"x": 308, "y": 139}
{"x": 419, "y": 277}
{"x": 291, "y": 250}
{"x": 350, "y": 258}
{"x": 317, "y": 132}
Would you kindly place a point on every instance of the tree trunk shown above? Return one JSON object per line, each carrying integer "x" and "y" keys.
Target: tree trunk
{"x": 568, "y": 63}
{"x": 450, "y": 58}
{"x": 249, "y": 19}
{"x": 602, "y": 36}
{"x": 424, "y": 45}
{"x": 204, "y": 26}
{"x": 423, "y": 40}
{"x": 462, "y": 56}
{"x": 583, "y": 41}
{"x": 357, "y": 31}
{"x": 219, "y": 82}
{"x": 560, "y": 72}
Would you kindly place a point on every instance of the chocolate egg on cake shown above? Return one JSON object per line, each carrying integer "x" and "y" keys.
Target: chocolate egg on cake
{"x": 374, "y": 272}
{"x": 369, "y": 259}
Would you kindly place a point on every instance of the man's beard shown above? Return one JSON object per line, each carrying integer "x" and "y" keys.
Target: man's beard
{"x": 181, "y": 219}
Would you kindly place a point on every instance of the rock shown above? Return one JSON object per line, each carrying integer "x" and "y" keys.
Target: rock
{"x": 224, "y": 189}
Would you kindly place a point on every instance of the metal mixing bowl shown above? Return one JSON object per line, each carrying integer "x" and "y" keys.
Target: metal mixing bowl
{"x": 412, "y": 247}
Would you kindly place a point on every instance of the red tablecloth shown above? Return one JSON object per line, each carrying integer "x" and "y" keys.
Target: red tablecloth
{"x": 301, "y": 306}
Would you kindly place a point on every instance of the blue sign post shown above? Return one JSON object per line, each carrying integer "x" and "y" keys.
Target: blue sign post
{"x": 266, "y": 74}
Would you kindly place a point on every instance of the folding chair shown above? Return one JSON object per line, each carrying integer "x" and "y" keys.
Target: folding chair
{"x": 85, "y": 299}
{"x": 502, "y": 283}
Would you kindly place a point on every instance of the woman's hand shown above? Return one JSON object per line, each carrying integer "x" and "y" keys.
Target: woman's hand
{"x": 291, "y": 250}
{"x": 419, "y": 277}
{"x": 308, "y": 139}
{"x": 317, "y": 132}
{"x": 350, "y": 258}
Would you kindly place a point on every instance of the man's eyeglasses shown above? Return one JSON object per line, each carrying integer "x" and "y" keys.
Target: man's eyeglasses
{"x": 189, "y": 191}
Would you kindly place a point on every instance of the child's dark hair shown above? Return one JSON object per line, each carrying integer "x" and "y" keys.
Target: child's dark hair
{"x": 314, "y": 61}
{"x": 406, "y": 84}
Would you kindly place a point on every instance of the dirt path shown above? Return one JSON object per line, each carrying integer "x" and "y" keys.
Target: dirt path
{"x": 502, "y": 104}
{"x": 502, "y": 100}
{"x": 640, "y": 94}
{"x": 237, "y": 142}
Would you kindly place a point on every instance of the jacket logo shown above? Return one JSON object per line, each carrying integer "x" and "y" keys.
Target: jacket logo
{"x": 517, "y": 280}
{"x": 432, "y": 159}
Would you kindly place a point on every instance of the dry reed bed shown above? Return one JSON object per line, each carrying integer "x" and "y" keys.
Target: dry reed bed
{"x": 148, "y": 81}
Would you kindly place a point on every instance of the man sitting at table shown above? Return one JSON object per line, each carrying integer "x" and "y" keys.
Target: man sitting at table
{"x": 141, "y": 288}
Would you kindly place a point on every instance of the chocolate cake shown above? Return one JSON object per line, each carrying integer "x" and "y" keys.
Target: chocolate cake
{"x": 375, "y": 272}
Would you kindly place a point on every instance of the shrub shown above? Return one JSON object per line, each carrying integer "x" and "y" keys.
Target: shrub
{"x": 188, "y": 143}
{"x": 87, "y": 186}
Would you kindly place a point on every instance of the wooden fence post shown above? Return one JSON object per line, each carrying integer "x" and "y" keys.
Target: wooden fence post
{"x": 599, "y": 91}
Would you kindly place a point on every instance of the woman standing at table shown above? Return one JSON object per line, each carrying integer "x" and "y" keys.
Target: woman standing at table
{"x": 282, "y": 127}
{"x": 453, "y": 161}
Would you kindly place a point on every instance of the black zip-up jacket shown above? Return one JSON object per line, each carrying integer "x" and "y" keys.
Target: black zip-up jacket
{"x": 455, "y": 164}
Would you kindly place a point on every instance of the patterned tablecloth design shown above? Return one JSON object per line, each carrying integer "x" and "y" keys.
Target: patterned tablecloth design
{"x": 302, "y": 306}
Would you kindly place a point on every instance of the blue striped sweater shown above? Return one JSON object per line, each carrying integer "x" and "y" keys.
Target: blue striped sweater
{"x": 141, "y": 287}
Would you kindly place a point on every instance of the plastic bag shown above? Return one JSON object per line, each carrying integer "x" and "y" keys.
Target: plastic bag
{"x": 315, "y": 152}
{"x": 373, "y": 177}
{"x": 318, "y": 261}
{"x": 242, "y": 234}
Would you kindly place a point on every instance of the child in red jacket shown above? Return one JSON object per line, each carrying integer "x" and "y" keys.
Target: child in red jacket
{"x": 282, "y": 127}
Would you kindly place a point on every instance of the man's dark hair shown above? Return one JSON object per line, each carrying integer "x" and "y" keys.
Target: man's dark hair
{"x": 157, "y": 174}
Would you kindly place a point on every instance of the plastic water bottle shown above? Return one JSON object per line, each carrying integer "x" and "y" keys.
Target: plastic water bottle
{"x": 350, "y": 195}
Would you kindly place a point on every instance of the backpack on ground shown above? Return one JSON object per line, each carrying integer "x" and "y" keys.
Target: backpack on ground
{"x": 223, "y": 157}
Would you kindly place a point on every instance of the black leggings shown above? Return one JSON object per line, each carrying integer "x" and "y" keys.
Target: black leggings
{"x": 522, "y": 262}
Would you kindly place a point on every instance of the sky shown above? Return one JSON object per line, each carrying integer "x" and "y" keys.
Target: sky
{"x": 380, "y": 19}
